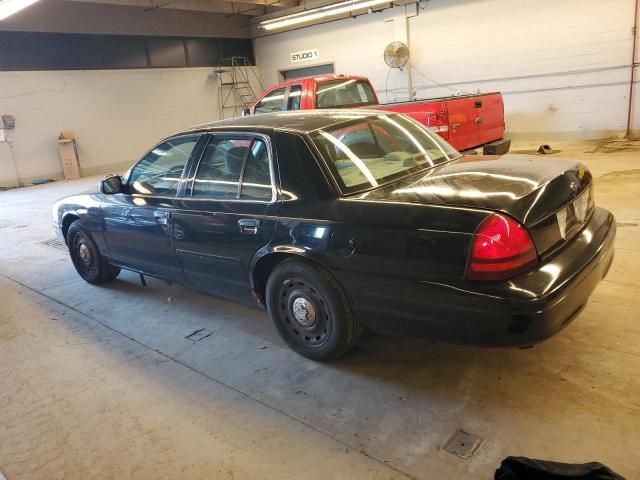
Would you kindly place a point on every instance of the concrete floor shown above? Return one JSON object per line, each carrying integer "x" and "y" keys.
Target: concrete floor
{"x": 99, "y": 382}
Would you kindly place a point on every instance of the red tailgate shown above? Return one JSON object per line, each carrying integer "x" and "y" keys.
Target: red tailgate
{"x": 475, "y": 120}
{"x": 433, "y": 114}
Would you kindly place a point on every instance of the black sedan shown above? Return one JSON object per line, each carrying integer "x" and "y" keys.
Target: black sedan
{"x": 338, "y": 221}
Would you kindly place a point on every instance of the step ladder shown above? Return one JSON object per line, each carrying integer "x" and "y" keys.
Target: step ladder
{"x": 236, "y": 90}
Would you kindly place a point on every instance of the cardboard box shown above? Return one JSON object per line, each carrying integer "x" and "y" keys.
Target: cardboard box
{"x": 69, "y": 158}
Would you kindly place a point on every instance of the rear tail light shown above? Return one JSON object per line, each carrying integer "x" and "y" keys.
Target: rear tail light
{"x": 501, "y": 248}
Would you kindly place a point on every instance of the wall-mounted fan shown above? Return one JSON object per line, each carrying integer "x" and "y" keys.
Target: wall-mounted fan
{"x": 396, "y": 55}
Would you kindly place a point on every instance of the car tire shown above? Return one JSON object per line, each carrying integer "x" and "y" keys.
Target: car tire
{"x": 86, "y": 257}
{"x": 311, "y": 311}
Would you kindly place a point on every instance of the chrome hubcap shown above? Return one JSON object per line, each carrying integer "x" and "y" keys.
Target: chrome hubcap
{"x": 304, "y": 312}
{"x": 84, "y": 253}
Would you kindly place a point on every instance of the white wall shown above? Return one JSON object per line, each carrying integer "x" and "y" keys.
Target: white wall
{"x": 563, "y": 66}
{"x": 116, "y": 115}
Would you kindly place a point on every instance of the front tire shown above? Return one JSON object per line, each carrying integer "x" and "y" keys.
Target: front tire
{"x": 311, "y": 311}
{"x": 86, "y": 257}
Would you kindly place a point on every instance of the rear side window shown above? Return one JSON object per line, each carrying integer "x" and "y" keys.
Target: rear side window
{"x": 233, "y": 168}
{"x": 295, "y": 94}
{"x": 344, "y": 93}
{"x": 272, "y": 102}
{"x": 256, "y": 177}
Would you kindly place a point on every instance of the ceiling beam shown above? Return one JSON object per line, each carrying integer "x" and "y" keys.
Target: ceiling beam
{"x": 246, "y": 7}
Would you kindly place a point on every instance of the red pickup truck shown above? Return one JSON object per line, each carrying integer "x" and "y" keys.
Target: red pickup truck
{"x": 465, "y": 121}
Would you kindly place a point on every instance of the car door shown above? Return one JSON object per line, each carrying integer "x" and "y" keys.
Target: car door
{"x": 137, "y": 223}
{"x": 227, "y": 214}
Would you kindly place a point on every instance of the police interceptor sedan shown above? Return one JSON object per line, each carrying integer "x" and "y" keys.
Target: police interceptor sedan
{"x": 341, "y": 220}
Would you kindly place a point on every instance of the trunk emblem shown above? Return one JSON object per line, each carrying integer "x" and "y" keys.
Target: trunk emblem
{"x": 573, "y": 186}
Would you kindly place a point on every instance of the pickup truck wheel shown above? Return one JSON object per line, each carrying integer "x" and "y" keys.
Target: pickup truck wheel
{"x": 311, "y": 311}
{"x": 86, "y": 258}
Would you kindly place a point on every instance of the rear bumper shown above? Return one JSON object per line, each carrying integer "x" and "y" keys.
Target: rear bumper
{"x": 520, "y": 312}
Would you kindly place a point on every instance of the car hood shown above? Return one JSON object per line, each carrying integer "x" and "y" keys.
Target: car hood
{"x": 527, "y": 188}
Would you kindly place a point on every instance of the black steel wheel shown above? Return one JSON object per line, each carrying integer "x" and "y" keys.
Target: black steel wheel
{"x": 86, "y": 258}
{"x": 311, "y": 310}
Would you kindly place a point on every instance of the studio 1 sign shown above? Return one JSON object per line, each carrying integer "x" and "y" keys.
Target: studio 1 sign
{"x": 305, "y": 55}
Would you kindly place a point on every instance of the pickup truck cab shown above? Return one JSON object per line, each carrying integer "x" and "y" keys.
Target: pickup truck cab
{"x": 465, "y": 121}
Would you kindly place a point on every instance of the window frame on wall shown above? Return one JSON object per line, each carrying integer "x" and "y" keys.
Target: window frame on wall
{"x": 215, "y": 136}
{"x": 36, "y": 51}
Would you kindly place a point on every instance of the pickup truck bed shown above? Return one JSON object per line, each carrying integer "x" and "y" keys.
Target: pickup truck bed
{"x": 465, "y": 121}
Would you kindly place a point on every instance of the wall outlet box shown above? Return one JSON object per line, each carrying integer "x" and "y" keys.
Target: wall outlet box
{"x": 9, "y": 121}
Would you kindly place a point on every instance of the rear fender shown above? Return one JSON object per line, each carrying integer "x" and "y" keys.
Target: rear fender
{"x": 265, "y": 260}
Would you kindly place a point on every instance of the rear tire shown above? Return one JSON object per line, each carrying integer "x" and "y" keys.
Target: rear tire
{"x": 86, "y": 257}
{"x": 311, "y": 311}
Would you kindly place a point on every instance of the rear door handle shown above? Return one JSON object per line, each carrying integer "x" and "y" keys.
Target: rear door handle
{"x": 248, "y": 226}
{"x": 162, "y": 217}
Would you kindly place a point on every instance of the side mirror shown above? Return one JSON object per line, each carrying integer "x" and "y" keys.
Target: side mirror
{"x": 246, "y": 112}
{"x": 111, "y": 184}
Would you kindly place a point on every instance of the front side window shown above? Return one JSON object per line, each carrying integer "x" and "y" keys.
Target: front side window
{"x": 368, "y": 152}
{"x": 344, "y": 93}
{"x": 160, "y": 171}
{"x": 295, "y": 94}
{"x": 233, "y": 168}
{"x": 272, "y": 102}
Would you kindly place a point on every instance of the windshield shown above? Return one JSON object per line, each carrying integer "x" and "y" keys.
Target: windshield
{"x": 371, "y": 151}
{"x": 345, "y": 93}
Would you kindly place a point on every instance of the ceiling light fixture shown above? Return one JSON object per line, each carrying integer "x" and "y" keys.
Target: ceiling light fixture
{"x": 317, "y": 13}
{"x": 9, "y": 7}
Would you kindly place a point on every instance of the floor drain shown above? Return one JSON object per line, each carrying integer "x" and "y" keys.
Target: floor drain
{"x": 54, "y": 243}
{"x": 463, "y": 444}
{"x": 199, "y": 335}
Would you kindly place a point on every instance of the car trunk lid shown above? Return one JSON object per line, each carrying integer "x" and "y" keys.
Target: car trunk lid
{"x": 551, "y": 198}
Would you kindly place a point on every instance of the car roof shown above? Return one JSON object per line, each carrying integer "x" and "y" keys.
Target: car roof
{"x": 319, "y": 78}
{"x": 303, "y": 121}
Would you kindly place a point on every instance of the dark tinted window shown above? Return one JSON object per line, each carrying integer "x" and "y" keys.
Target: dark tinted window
{"x": 218, "y": 174}
{"x": 226, "y": 162}
{"x": 272, "y": 102}
{"x": 256, "y": 178}
{"x": 159, "y": 172}
{"x": 295, "y": 94}
{"x": 166, "y": 52}
{"x": 344, "y": 93}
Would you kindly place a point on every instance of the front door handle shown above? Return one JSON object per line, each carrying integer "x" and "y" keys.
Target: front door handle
{"x": 162, "y": 217}
{"x": 248, "y": 226}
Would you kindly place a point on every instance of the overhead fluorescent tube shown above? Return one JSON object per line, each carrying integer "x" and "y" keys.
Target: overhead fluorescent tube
{"x": 9, "y": 7}
{"x": 317, "y": 13}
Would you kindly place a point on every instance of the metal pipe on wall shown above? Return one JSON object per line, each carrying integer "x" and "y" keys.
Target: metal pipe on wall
{"x": 634, "y": 64}
{"x": 408, "y": 16}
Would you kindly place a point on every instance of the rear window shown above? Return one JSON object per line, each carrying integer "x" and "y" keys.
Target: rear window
{"x": 344, "y": 93}
{"x": 374, "y": 150}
